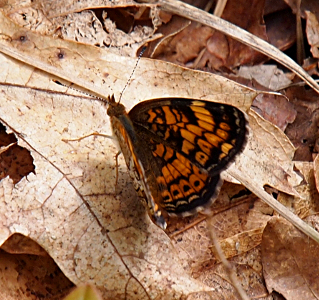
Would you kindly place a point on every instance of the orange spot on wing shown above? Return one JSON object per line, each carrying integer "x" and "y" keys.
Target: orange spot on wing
{"x": 205, "y": 146}
{"x": 154, "y": 127}
{"x": 213, "y": 139}
{"x": 207, "y": 118}
{"x": 200, "y": 109}
{"x": 169, "y": 116}
{"x": 181, "y": 125}
{"x": 176, "y": 191}
{"x": 187, "y": 147}
{"x": 186, "y": 188}
{"x": 167, "y": 175}
{"x": 188, "y": 135}
{"x": 206, "y": 126}
{"x": 198, "y": 103}
{"x": 196, "y": 183}
{"x": 201, "y": 158}
{"x": 182, "y": 169}
{"x": 167, "y": 134}
{"x": 224, "y": 126}
{"x": 225, "y": 147}
{"x": 159, "y": 121}
{"x": 161, "y": 180}
{"x": 159, "y": 151}
{"x": 195, "y": 129}
{"x": 180, "y": 116}
{"x": 199, "y": 174}
{"x": 169, "y": 153}
{"x": 223, "y": 134}
{"x": 173, "y": 171}
{"x": 152, "y": 116}
{"x": 183, "y": 160}
{"x": 221, "y": 156}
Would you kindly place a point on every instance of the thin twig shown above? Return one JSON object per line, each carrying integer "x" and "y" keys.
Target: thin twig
{"x": 229, "y": 269}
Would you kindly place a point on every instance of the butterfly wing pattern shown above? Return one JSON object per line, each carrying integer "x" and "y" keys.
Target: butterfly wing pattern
{"x": 176, "y": 148}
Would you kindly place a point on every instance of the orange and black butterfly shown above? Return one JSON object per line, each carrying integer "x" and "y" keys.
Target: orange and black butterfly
{"x": 176, "y": 148}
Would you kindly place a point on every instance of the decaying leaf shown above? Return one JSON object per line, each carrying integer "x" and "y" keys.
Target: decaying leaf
{"x": 289, "y": 261}
{"x": 30, "y": 276}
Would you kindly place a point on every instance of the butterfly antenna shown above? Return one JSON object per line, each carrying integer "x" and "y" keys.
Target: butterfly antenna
{"x": 129, "y": 80}
{"x": 70, "y": 87}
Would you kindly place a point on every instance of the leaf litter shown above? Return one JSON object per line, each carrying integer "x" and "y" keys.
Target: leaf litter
{"x": 98, "y": 232}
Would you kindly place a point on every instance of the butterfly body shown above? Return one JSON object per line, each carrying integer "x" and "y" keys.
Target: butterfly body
{"x": 175, "y": 149}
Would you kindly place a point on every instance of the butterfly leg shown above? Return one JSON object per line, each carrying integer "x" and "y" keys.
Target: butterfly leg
{"x": 117, "y": 167}
{"x": 88, "y": 135}
{"x": 106, "y": 136}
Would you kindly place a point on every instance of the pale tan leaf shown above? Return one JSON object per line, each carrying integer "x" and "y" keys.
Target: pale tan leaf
{"x": 267, "y": 157}
{"x": 290, "y": 261}
{"x": 70, "y": 206}
{"x": 269, "y": 76}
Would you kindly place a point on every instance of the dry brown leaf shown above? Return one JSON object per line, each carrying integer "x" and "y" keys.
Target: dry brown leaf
{"x": 248, "y": 269}
{"x": 74, "y": 21}
{"x": 308, "y": 204}
{"x": 50, "y": 10}
{"x": 313, "y": 33}
{"x": 224, "y": 51}
{"x": 269, "y": 76}
{"x": 281, "y": 26}
{"x": 303, "y": 6}
{"x": 26, "y": 276}
{"x": 267, "y": 157}
{"x": 290, "y": 261}
{"x": 275, "y": 108}
{"x": 303, "y": 132}
{"x": 316, "y": 171}
{"x": 105, "y": 73}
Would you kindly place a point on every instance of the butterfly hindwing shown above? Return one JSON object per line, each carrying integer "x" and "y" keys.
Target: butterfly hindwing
{"x": 136, "y": 163}
{"x": 183, "y": 187}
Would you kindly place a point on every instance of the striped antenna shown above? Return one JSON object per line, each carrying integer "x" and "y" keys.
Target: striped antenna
{"x": 129, "y": 80}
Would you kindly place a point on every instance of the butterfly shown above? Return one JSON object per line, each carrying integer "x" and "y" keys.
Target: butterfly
{"x": 176, "y": 148}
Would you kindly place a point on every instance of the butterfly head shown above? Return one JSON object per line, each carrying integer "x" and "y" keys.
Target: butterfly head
{"x": 115, "y": 109}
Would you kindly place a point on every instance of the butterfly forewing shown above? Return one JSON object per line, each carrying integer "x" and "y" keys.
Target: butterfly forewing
{"x": 209, "y": 134}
